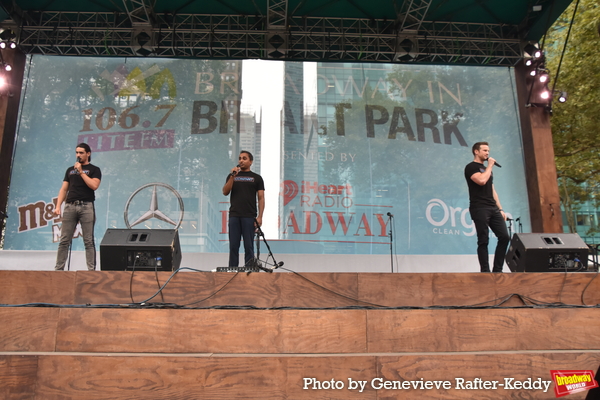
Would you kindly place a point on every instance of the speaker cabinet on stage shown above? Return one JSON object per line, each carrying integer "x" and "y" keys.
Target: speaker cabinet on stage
{"x": 140, "y": 249}
{"x": 547, "y": 252}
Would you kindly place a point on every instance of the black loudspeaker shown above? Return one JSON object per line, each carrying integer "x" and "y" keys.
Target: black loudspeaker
{"x": 547, "y": 252}
{"x": 140, "y": 249}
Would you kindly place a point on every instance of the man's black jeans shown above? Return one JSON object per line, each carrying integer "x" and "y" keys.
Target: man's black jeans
{"x": 484, "y": 220}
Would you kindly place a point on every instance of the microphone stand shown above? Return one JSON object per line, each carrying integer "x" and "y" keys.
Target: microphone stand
{"x": 390, "y": 216}
{"x": 510, "y": 220}
{"x": 276, "y": 264}
{"x": 257, "y": 262}
{"x": 257, "y": 246}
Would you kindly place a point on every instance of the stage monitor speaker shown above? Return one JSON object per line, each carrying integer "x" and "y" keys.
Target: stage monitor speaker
{"x": 547, "y": 252}
{"x": 140, "y": 249}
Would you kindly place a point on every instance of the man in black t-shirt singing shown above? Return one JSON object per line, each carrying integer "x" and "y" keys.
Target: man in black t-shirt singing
{"x": 246, "y": 187}
{"x": 486, "y": 211}
{"x": 77, "y": 191}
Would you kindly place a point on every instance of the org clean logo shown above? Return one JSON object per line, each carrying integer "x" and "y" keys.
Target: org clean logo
{"x": 449, "y": 220}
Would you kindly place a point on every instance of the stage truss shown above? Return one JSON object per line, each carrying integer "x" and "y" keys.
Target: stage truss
{"x": 278, "y": 35}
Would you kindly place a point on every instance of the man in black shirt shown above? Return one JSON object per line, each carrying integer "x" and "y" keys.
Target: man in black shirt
{"x": 78, "y": 187}
{"x": 245, "y": 187}
{"x": 486, "y": 211}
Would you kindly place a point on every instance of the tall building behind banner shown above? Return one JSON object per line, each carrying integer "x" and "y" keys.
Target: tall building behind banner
{"x": 292, "y": 139}
{"x": 243, "y": 133}
{"x": 300, "y": 161}
{"x": 250, "y": 137}
{"x": 321, "y": 209}
{"x": 243, "y": 130}
{"x": 197, "y": 233}
{"x": 343, "y": 90}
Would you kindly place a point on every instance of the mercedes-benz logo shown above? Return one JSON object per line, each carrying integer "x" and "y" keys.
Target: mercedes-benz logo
{"x": 153, "y": 211}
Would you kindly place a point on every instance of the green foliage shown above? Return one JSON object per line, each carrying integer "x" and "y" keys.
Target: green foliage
{"x": 575, "y": 123}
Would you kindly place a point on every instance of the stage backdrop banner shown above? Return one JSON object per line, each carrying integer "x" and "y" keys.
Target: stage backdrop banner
{"x": 365, "y": 149}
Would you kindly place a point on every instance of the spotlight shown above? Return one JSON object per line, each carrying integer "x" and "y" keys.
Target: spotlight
{"x": 2, "y": 45}
{"x": 143, "y": 52}
{"x": 407, "y": 46}
{"x": 545, "y": 94}
{"x": 7, "y": 35}
{"x": 13, "y": 45}
{"x": 142, "y": 38}
{"x": 562, "y": 98}
{"x": 2, "y": 82}
{"x": 533, "y": 51}
{"x": 529, "y": 62}
{"x": 533, "y": 72}
{"x": 143, "y": 43}
{"x": 544, "y": 77}
{"x": 7, "y": 67}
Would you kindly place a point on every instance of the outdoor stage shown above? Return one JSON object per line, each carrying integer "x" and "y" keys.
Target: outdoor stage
{"x": 76, "y": 334}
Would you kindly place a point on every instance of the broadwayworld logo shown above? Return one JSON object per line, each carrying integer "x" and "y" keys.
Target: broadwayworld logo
{"x": 572, "y": 381}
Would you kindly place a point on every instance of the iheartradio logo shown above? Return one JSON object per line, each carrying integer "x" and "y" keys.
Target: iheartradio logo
{"x": 312, "y": 190}
{"x": 290, "y": 190}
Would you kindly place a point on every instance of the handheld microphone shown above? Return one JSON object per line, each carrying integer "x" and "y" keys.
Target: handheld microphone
{"x": 496, "y": 164}
{"x": 389, "y": 214}
{"x": 235, "y": 172}
{"x": 78, "y": 159}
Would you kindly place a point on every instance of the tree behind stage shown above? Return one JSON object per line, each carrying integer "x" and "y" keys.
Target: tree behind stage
{"x": 575, "y": 123}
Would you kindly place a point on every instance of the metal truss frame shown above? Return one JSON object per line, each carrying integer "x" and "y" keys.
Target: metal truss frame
{"x": 277, "y": 14}
{"x": 244, "y": 37}
{"x": 139, "y": 12}
{"x": 413, "y": 14}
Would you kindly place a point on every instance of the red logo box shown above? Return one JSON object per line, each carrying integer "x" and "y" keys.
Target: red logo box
{"x": 572, "y": 381}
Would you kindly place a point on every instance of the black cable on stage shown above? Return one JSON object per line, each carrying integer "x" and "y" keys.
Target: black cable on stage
{"x": 562, "y": 286}
{"x": 157, "y": 281}
{"x": 175, "y": 273}
{"x": 131, "y": 278}
{"x": 527, "y": 301}
{"x": 155, "y": 275}
{"x": 332, "y": 291}
{"x": 586, "y": 286}
{"x": 214, "y": 293}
